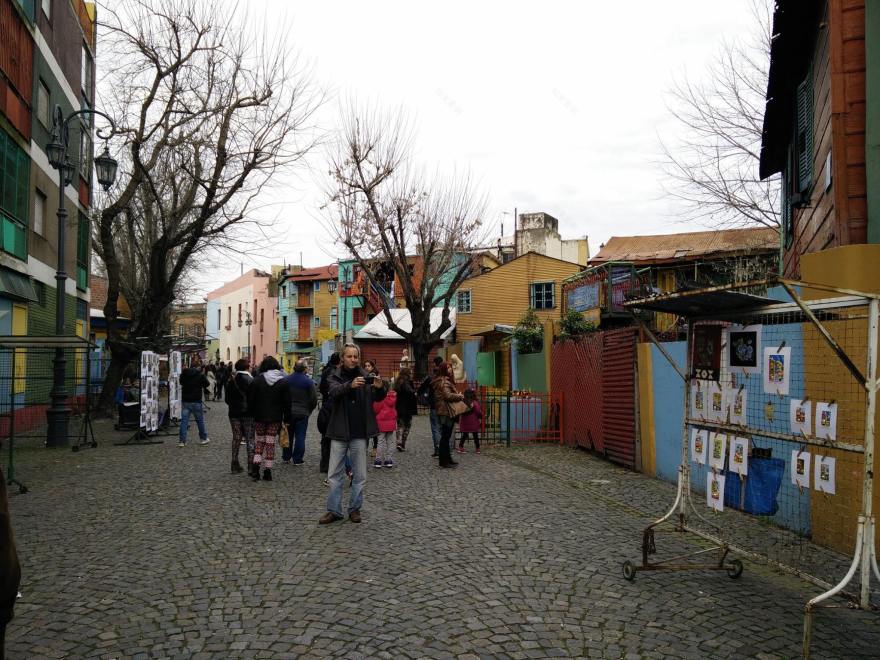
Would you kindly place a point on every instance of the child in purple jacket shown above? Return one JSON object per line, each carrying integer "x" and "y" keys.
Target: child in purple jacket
{"x": 469, "y": 422}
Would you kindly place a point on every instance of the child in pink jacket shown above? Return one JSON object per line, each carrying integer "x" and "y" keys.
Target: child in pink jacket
{"x": 470, "y": 421}
{"x": 386, "y": 420}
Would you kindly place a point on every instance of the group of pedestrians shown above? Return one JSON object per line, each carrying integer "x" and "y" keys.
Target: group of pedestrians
{"x": 357, "y": 406}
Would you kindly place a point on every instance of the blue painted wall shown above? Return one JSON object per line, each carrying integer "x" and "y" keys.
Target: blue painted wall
{"x": 668, "y": 408}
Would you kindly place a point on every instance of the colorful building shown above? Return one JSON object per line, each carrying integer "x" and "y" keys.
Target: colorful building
{"x": 247, "y": 317}
{"x": 308, "y": 310}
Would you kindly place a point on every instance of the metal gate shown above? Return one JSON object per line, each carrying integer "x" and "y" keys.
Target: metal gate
{"x": 618, "y": 395}
{"x": 577, "y": 375}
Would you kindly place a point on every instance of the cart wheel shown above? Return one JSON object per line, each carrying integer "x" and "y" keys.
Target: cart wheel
{"x": 629, "y": 571}
{"x": 75, "y": 448}
{"x": 22, "y": 489}
{"x": 94, "y": 443}
{"x": 734, "y": 568}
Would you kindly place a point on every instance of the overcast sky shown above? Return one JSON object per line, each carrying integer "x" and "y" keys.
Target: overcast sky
{"x": 552, "y": 106}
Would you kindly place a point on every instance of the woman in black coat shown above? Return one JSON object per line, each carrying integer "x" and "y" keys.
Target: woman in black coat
{"x": 268, "y": 401}
{"x": 407, "y": 406}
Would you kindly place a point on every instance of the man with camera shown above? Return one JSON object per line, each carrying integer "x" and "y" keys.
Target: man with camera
{"x": 352, "y": 421}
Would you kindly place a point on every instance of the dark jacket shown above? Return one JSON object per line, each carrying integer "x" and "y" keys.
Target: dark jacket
{"x": 407, "y": 404}
{"x": 192, "y": 382}
{"x": 236, "y": 394}
{"x": 303, "y": 395}
{"x": 339, "y": 387}
{"x": 324, "y": 385}
{"x": 444, "y": 393}
{"x": 425, "y": 393}
{"x": 10, "y": 569}
{"x": 268, "y": 398}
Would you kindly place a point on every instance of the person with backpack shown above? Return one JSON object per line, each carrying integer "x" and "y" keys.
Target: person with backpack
{"x": 240, "y": 419}
{"x": 268, "y": 400}
{"x": 407, "y": 406}
{"x": 303, "y": 400}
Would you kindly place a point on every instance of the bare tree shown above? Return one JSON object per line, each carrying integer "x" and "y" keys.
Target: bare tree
{"x": 208, "y": 111}
{"x": 390, "y": 216}
{"x": 713, "y": 167}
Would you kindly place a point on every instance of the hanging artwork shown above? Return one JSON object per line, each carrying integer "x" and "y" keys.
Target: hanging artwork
{"x": 739, "y": 456}
{"x": 777, "y": 369}
{"x": 699, "y": 399}
{"x": 800, "y": 417}
{"x": 715, "y": 491}
{"x": 717, "y": 450}
{"x": 826, "y": 421}
{"x": 744, "y": 348}
{"x": 800, "y": 468}
{"x": 717, "y": 409}
{"x": 737, "y": 402}
{"x": 824, "y": 477}
{"x": 699, "y": 445}
{"x": 707, "y": 352}
{"x": 175, "y": 402}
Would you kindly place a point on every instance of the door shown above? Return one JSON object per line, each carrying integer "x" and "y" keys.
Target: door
{"x": 486, "y": 369}
{"x": 305, "y": 326}
{"x": 304, "y": 299}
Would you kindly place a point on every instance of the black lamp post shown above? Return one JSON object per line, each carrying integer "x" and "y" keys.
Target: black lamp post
{"x": 58, "y": 415}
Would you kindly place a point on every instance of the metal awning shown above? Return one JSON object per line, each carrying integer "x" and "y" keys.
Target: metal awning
{"x": 498, "y": 328}
{"x": 701, "y": 302}
{"x": 51, "y": 341}
{"x": 16, "y": 285}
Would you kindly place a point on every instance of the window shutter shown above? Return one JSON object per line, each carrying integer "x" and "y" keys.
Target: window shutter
{"x": 532, "y": 288}
{"x": 805, "y": 133}
{"x": 787, "y": 176}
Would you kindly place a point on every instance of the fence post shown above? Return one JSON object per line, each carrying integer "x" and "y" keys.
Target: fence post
{"x": 509, "y": 420}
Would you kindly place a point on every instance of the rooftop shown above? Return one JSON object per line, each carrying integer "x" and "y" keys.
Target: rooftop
{"x": 378, "y": 328}
{"x": 689, "y": 246}
{"x": 309, "y": 274}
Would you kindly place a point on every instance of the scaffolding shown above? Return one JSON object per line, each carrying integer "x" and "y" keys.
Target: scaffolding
{"x": 828, "y": 334}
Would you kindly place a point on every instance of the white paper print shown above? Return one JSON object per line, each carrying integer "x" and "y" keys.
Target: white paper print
{"x": 800, "y": 468}
{"x": 824, "y": 479}
{"x": 744, "y": 349}
{"x": 777, "y": 369}
{"x": 715, "y": 491}
{"x": 717, "y": 409}
{"x": 826, "y": 420}
{"x": 699, "y": 445}
{"x": 800, "y": 417}
{"x": 699, "y": 399}
{"x": 717, "y": 450}
{"x": 739, "y": 456}
{"x": 738, "y": 401}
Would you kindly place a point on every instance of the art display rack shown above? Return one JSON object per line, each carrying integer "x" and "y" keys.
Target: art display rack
{"x": 745, "y": 304}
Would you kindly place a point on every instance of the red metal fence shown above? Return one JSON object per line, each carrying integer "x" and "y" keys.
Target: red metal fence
{"x": 618, "y": 395}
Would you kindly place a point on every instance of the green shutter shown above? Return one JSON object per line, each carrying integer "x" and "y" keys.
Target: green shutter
{"x": 787, "y": 176}
{"x": 805, "y": 133}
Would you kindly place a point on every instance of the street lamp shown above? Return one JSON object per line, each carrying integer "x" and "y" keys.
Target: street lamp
{"x": 58, "y": 415}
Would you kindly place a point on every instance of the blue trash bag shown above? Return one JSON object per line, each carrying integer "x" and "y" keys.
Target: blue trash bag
{"x": 762, "y": 487}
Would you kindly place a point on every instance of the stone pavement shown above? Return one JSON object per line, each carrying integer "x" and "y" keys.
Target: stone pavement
{"x": 155, "y": 551}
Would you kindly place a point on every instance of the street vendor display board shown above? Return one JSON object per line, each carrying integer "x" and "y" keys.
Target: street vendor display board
{"x": 149, "y": 391}
{"x": 175, "y": 401}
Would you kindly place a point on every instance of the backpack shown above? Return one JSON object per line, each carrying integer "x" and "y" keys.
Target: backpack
{"x": 425, "y": 394}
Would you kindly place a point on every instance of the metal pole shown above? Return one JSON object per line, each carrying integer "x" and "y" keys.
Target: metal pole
{"x": 868, "y": 485}
{"x": 684, "y": 470}
{"x": 58, "y": 415}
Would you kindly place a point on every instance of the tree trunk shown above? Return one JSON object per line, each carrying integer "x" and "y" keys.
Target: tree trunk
{"x": 120, "y": 357}
{"x": 420, "y": 359}
{"x": 421, "y": 344}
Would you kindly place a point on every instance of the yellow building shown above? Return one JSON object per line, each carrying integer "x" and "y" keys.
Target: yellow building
{"x": 490, "y": 304}
{"x": 308, "y": 310}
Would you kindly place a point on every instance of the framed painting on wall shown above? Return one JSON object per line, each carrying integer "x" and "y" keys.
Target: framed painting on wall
{"x": 707, "y": 352}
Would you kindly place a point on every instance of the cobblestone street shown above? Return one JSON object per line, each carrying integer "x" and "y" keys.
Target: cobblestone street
{"x": 156, "y": 551}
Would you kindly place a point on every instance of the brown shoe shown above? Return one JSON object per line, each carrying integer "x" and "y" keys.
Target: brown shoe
{"x": 354, "y": 516}
{"x": 328, "y": 518}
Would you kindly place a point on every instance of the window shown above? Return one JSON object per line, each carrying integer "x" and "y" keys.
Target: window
{"x": 334, "y": 318}
{"x": 317, "y": 286}
{"x": 180, "y": 330}
{"x": 541, "y": 295}
{"x": 262, "y": 313}
{"x": 228, "y": 354}
{"x": 14, "y": 196}
{"x": 86, "y": 72}
{"x": 284, "y": 322}
{"x": 358, "y": 316}
{"x": 239, "y": 313}
{"x": 46, "y": 6}
{"x": 85, "y": 152}
{"x": 219, "y": 318}
{"x": 463, "y": 302}
{"x": 229, "y": 317}
{"x": 43, "y": 112}
{"x": 82, "y": 252}
{"x": 804, "y": 136}
{"x": 317, "y": 322}
{"x": 284, "y": 291}
{"x": 39, "y": 212}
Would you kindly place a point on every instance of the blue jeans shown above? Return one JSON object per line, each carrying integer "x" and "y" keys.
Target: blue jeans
{"x": 297, "y": 448}
{"x": 197, "y": 410}
{"x": 436, "y": 429}
{"x": 356, "y": 450}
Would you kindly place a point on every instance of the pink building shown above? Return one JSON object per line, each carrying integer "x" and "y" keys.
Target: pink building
{"x": 245, "y": 318}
